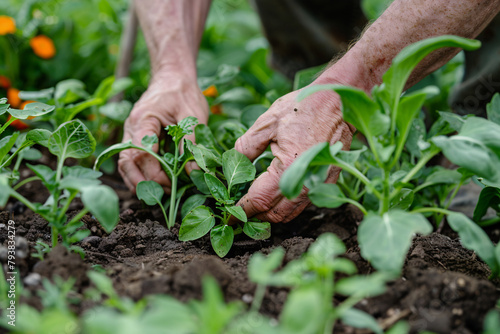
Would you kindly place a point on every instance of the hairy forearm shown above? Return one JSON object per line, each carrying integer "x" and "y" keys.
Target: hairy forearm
{"x": 406, "y": 22}
{"x": 173, "y": 30}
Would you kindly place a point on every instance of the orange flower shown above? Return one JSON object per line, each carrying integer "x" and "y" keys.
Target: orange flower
{"x": 7, "y": 25}
{"x": 18, "y": 124}
{"x": 43, "y": 46}
{"x": 4, "y": 82}
{"x": 211, "y": 91}
{"x": 216, "y": 109}
{"x": 13, "y": 97}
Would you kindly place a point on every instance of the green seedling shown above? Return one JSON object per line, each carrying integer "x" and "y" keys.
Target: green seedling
{"x": 237, "y": 170}
{"x": 172, "y": 164}
{"x": 69, "y": 140}
{"x": 41, "y": 249}
{"x": 391, "y": 182}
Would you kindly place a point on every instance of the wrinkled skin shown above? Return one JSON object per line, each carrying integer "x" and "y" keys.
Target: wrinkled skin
{"x": 168, "y": 100}
{"x": 290, "y": 127}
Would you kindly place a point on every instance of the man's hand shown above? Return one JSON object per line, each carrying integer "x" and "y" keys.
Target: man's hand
{"x": 169, "y": 99}
{"x": 290, "y": 127}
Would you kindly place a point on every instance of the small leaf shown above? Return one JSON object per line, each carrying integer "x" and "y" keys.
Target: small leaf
{"x": 205, "y": 158}
{"x": 150, "y": 192}
{"x": 293, "y": 179}
{"x": 196, "y": 224}
{"x": 102, "y": 202}
{"x": 31, "y": 110}
{"x": 237, "y": 168}
{"x": 493, "y": 109}
{"x": 359, "y": 319}
{"x": 261, "y": 267}
{"x": 403, "y": 200}
{"x": 103, "y": 91}
{"x": 488, "y": 198}
{"x": 192, "y": 202}
{"x": 182, "y": 129}
{"x": 257, "y": 230}
{"x": 363, "y": 286}
{"x": 222, "y": 237}
{"x": 238, "y": 212}
{"x": 72, "y": 140}
{"x": 80, "y": 172}
{"x": 303, "y": 311}
{"x": 474, "y": 238}
{"x": 6, "y": 145}
{"x": 327, "y": 195}
{"x": 217, "y": 188}
{"x": 117, "y": 111}
{"x": 326, "y": 247}
{"x": 149, "y": 141}
{"x": 198, "y": 178}
{"x": 385, "y": 240}
{"x": 39, "y": 136}
{"x": 204, "y": 136}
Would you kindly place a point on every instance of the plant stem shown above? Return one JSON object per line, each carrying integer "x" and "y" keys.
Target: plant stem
{"x": 356, "y": 204}
{"x": 66, "y": 205}
{"x": 386, "y": 200}
{"x": 355, "y": 172}
{"x": 23, "y": 182}
{"x": 489, "y": 222}
{"x": 173, "y": 193}
{"x": 438, "y": 210}
{"x": 55, "y": 235}
{"x": 23, "y": 200}
{"x": 12, "y": 119}
{"x": 258, "y": 297}
{"x": 79, "y": 216}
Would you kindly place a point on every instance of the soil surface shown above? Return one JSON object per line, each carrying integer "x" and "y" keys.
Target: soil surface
{"x": 444, "y": 287}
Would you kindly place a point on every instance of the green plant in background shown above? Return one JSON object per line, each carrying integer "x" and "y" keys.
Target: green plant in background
{"x": 391, "y": 180}
{"x": 70, "y": 140}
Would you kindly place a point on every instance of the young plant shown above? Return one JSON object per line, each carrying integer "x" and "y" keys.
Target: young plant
{"x": 237, "y": 170}
{"x": 69, "y": 140}
{"x": 173, "y": 165}
{"x": 385, "y": 119}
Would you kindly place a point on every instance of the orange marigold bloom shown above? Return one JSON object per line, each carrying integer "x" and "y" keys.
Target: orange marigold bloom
{"x": 216, "y": 109}
{"x": 13, "y": 97}
{"x": 4, "y": 82}
{"x": 211, "y": 91}
{"x": 43, "y": 46}
{"x": 7, "y": 25}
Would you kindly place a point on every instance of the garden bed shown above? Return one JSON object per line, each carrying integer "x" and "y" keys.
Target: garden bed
{"x": 444, "y": 287}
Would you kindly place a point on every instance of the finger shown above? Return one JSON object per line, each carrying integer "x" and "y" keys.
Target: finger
{"x": 130, "y": 173}
{"x": 256, "y": 140}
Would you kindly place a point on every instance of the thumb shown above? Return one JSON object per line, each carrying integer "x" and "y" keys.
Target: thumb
{"x": 254, "y": 142}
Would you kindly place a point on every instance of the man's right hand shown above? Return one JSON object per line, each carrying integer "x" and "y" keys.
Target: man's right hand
{"x": 169, "y": 98}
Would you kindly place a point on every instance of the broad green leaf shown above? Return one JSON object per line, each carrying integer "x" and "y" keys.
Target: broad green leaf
{"x": 217, "y": 188}
{"x": 416, "y": 141}
{"x": 4, "y": 194}
{"x": 491, "y": 322}
{"x": 110, "y": 151}
{"x": 385, "y": 240}
{"x": 184, "y": 128}
{"x": 30, "y": 154}
{"x": 192, "y": 202}
{"x": 6, "y": 144}
{"x": 150, "y": 192}
{"x": 4, "y": 106}
{"x": 303, "y": 312}
{"x": 41, "y": 95}
{"x": 45, "y": 173}
{"x": 31, "y": 110}
{"x": 357, "y": 108}
{"x": 363, "y": 286}
{"x": 350, "y": 157}
{"x": 238, "y": 212}
{"x": 409, "y": 107}
{"x": 180, "y": 317}
{"x": 344, "y": 266}
{"x": 237, "y": 168}
{"x": 39, "y": 136}
{"x": 80, "y": 172}
{"x": 239, "y": 95}
{"x": 257, "y": 230}
{"x": 443, "y": 175}
{"x": 261, "y": 268}
{"x": 322, "y": 252}
{"x": 488, "y": 198}
{"x": 359, "y": 319}
{"x": 102, "y": 202}
{"x": 476, "y": 148}
{"x": 205, "y": 158}
{"x": 474, "y": 238}
{"x": 221, "y": 238}
{"x": 72, "y": 140}
{"x": 196, "y": 224}
{"x": 493, "y": 109}
{"x": 76, "y": 183}
{"x": 198, "y": 178}
{"x": 405, "y": 62}
{"x": 327, "y": 195}
{"x": 403, "y": 200}
{"x": 149, "y": 141}
{"x": 204, "y": 136}
{"x": 69, "y": 91}
{"x": 120, "y": 85}
{"x": 294, "y": 176}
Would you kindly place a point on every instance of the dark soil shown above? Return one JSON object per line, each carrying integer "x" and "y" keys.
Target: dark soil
{"x": 444, "y": 287}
